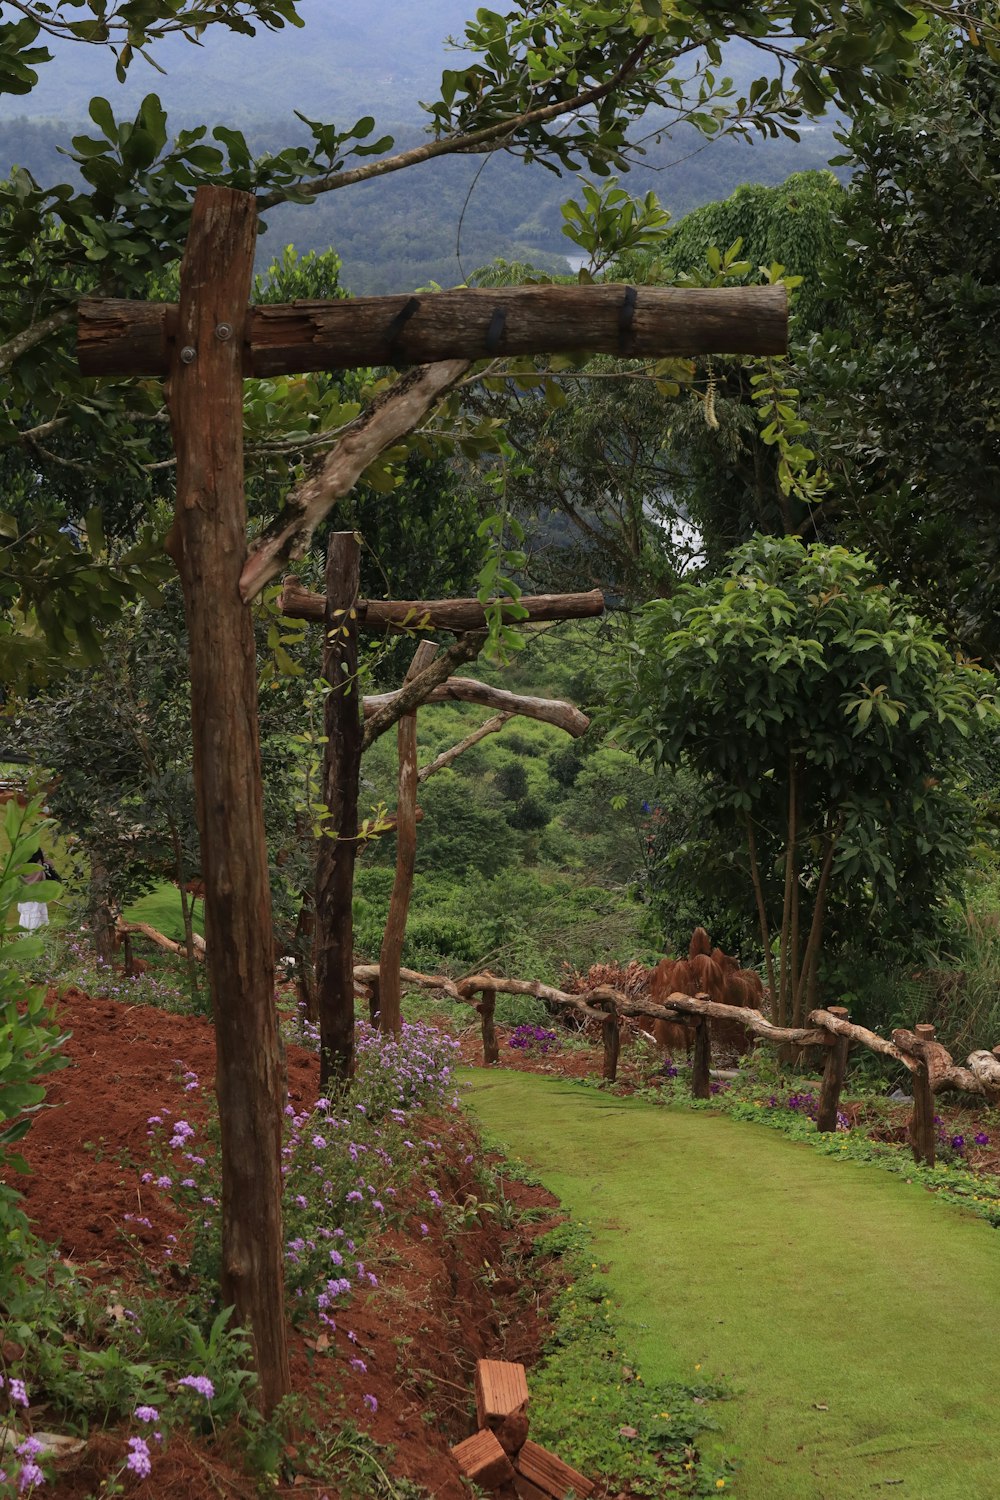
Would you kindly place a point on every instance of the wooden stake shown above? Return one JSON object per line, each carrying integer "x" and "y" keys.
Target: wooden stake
{"x": 701, "y": 1083}
{"x": 208, "y": 544}
{"x": 486, "y": 1008}
{"x": 341, "y": 769}
{"x": 923, "y": 1138}
{"x": 390, "y": 1020}
{"x": 612, "y": 1041}
{"x": 374, "y": 999}
{"x": 833, "y": 1075}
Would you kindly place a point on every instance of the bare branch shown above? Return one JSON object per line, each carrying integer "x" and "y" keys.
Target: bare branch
{"x": 387, "y": 420}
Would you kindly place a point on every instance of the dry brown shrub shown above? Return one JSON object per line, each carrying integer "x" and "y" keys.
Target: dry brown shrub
{"x": 700, "y": 943}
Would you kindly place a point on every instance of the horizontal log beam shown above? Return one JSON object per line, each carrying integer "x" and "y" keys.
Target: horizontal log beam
{"x": 118, "y": 337}
{"x": 466, "y": 690}
{"x": 383, "y": 615}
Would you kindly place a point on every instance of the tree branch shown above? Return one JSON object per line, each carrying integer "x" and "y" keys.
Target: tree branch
{"x": 466, "y": 648}
{"x": 487, "y": 137}
{"x": 387, "y": 420}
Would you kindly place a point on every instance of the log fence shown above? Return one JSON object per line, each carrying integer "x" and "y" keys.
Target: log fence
{"x": 930, "y": 1066}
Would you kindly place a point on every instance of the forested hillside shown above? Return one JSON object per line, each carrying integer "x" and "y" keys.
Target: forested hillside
{"x": 450, "y": 217}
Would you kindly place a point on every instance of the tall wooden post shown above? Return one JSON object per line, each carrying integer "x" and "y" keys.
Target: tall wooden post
{"x": 611, "y": 1036}
{"x": 923, "y": 1136}
{"x": 701, "y": 1085}
{"x": 487, "y": 1009}
{"x": 833, "y": 1075}
{"x": 341, "y": 769}
{"x": 406, "y": 857}
{"x": 208, "y": 545}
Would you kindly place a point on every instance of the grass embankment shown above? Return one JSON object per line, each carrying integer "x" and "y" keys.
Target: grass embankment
{"x": 161, "y": 908}
{"x": 843, "y": 1308}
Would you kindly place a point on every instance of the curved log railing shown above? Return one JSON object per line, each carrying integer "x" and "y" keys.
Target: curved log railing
{"x": 931, "y": 1067}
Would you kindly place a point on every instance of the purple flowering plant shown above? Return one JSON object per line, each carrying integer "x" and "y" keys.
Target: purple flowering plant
{"x": 345, "y": 1159}
{"x": 532, "y": 1039}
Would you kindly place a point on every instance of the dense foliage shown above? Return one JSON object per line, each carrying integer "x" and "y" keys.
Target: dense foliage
{"x": 833, "y": 732}
{"x": 908, "y": 396}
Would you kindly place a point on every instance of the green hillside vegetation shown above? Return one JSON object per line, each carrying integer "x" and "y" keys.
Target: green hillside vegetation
{"x": 401, "y": 232}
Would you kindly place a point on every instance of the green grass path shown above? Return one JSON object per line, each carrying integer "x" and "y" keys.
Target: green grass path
{"x": 801, "y": 1281}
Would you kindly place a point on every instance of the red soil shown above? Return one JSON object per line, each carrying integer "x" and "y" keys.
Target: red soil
{"x": 435, "y": 1313}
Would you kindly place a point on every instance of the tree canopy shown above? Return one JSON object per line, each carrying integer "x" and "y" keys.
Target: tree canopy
{"x": 833, "y": 731}
{"x": 905, "y": 393}
{"x": 568, "y": 85}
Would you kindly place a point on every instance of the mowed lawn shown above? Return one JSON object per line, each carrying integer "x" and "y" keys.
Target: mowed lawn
{"x": 855, "y": 1319}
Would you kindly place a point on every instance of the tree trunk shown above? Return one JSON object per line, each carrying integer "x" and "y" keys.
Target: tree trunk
{"x": 341, "y": 769}
{"x": 806, "y": 983}
{"x": 187, "y": 904}
{"x": 765, "y": 929}
{"x": 787, "y": 973}
{"x": 208, "y": 544}
{"x": 102, "y": 922}
{"x": 305, "y": 959}
{"x": 390, "y": 1020}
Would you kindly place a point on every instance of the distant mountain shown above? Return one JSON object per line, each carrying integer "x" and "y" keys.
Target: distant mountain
{"x": 402, "y": 231}
{"x": 348, "y": 59}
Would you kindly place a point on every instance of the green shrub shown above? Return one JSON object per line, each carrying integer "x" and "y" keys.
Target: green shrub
{"x": 30, "y": 1041}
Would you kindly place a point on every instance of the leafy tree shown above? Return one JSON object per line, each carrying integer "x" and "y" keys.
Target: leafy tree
{"x": 564, "y": 86}
{"x": 830, "y": 725}
{"x": 907, "y": 392}
{"x": 560, "y": 84}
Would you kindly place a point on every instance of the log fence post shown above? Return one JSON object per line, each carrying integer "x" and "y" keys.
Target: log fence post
{"x": 390, "y": 957}
{"x": 374, "y": 999}
{"x": 612, "y": 1040}
{"x": 336, "y": 854}
{"x": 833, "y": 1074}
{"x": 701, "y": 1083}
{"x": 487, "y": 1010}
{"x": 923, "y": 1136}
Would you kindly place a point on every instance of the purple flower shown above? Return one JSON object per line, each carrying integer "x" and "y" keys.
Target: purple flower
{"x": 981, "y": 1138}
{"x": 147, "y": 1414}
{"x": 370, "y": 1402}
{"x": 199, "y": 1383}
{"x": 30, "y": 1476}
{"x": 18, "y": 1392}
{"x": 138, "y": 1459}
{"x": 958, "y": 1143}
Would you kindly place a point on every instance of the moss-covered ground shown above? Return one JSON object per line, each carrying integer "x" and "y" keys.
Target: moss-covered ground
{"x": 852, "y": 1316}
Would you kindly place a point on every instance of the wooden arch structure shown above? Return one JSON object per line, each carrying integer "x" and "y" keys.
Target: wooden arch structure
{"x": 205, "y": 346}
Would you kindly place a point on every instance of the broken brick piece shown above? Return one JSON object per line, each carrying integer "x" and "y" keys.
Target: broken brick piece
{"x": 501, "y": 1390}
{"x": 553, "y": 1477}
{"x": 482, "y": 1460}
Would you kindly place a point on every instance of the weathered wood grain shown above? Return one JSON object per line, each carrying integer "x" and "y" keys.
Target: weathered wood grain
{"x": 118, "y": 337}
{"x": 208, "y": 545}
{"x": 299, "y": 603}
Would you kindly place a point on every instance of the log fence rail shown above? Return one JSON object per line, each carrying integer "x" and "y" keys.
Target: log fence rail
{"x": 931, "y": 1067}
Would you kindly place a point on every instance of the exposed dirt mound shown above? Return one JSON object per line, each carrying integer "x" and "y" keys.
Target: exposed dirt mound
{"x": 442, "y": 1303}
